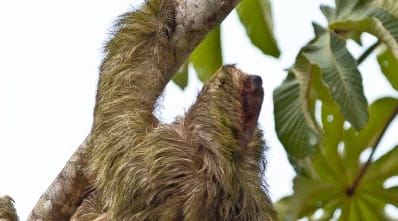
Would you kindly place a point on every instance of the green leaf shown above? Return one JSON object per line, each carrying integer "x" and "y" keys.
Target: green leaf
{"x": 207, "y": 57}
{"x": 309, "y": 195}
{"x": 344, "y": 7}
{"x": 294, "y": 100}
{"x": 294, "y": 103}
{"x": 256, "y": 17}
{"x": 383, "y": 168}
{"x": 282, "y": 207}
{"x": 318, "y": 30}
{"x": 379, "y": 18}
{"x": 328, "y": 12}
{"x": 389, "y": 195}
{"x": 381, "y": 113}
{"x": 341, "y": 75}
{"x": 389, "y": 66}
{"x": 181, "y": 77}
{"x": 333, "y": 127}
{"x": 326, "y": 186}
{"x": 333, "y": 178}
{"x": 291, "y": 114}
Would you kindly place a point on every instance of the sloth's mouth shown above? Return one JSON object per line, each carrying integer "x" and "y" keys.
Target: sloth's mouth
{"x": 252, "y": 99}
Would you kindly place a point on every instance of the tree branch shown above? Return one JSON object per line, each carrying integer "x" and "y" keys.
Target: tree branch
{"x": 194, "y": 20}
{"x": 64, "y": 195}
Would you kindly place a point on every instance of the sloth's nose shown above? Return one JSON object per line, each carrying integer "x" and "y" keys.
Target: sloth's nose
{"x": 256, "y": 81}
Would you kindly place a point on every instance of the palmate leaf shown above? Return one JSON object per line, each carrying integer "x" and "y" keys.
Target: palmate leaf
{"x": 371, "y": 195}
{"x": 326, "y": 188}
{"x": 256, "y": 16}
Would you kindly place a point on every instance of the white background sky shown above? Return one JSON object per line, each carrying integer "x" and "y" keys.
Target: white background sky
{"x": 49, "y": 57}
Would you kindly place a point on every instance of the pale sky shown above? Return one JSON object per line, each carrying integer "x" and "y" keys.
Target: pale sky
{"x": 49, "y": 57}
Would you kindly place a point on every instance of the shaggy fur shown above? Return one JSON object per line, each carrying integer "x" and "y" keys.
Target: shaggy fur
{"x": 7, "y": 210}
{"x": 206, "y": 166}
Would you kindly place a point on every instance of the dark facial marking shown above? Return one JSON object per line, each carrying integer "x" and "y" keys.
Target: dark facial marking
{"x": 252, "y": 99}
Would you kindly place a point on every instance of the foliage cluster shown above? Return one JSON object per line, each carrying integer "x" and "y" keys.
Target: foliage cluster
{"x": 322, "y": 116}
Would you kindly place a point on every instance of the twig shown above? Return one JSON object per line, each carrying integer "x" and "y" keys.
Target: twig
{"x": 367, "y": 52}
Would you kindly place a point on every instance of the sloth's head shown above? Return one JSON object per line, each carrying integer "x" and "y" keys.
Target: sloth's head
{"x": 234, "y": 99}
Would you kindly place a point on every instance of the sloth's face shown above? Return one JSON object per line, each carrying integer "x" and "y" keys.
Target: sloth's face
{"x": 235, "y": 89}
{"x": 251, "y": 95}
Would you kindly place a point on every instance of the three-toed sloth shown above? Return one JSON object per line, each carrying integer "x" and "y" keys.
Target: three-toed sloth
{"x": 207, "y": 166}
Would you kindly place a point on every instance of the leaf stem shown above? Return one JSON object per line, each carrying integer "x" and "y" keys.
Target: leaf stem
{"x": 351, "y": 189}
{"x": 367, "y": 52}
